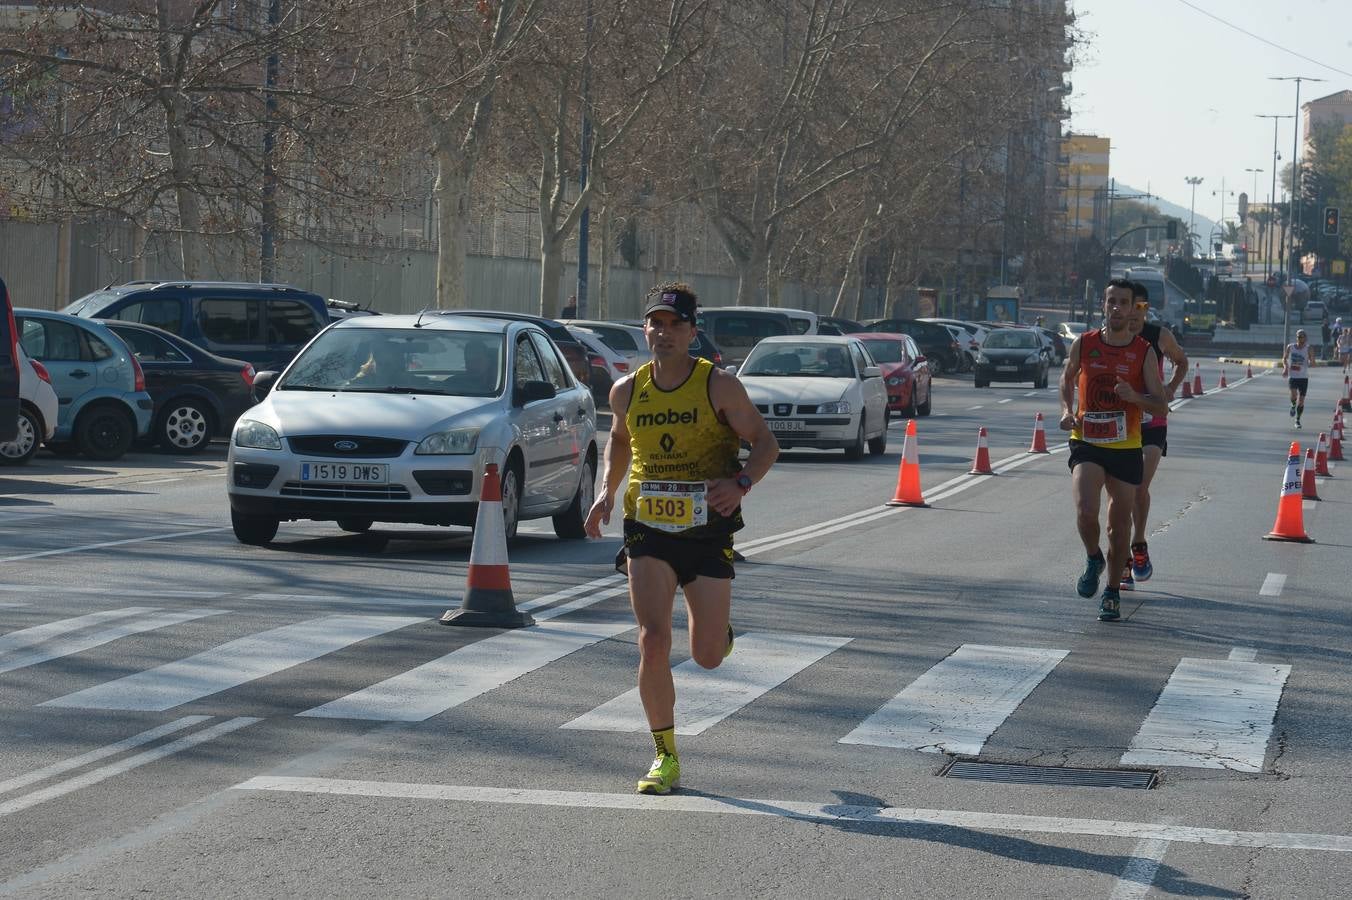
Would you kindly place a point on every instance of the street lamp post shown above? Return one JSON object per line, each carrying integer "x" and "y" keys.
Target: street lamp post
{"x": 1294, "y": 214}
{"x": 1272, "y": 198}
{"x": 1248, "y": 233}
{"x": 1193, "y": 180}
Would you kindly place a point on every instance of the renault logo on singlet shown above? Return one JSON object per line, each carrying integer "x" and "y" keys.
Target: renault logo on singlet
{"x": 666, "y": 443}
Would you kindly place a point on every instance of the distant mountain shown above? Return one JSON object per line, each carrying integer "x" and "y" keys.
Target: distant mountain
{"x": 1202, "y": 225}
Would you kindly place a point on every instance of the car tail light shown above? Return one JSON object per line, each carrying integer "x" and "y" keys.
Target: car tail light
{"x": 621, "y": 367}
{"x": 139, "y": 373}
{"x": 595, "y": 360}
{"x": 41, "y": 370}
{"x": 247, "y": 373}
{"x": 718, "y": 358}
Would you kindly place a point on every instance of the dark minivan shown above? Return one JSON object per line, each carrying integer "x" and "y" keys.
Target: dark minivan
{"x": 9, "y": 369}
{"x": 265, "y": 324}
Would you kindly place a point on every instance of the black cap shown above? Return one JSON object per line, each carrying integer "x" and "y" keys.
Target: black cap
{"x": 678, "y": 302}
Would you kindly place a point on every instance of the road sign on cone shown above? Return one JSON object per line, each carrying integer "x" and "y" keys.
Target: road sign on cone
{"x": 1290, "y": 524}
{"x": 1321, "y": 457}
{"x": 1039, "y": 444}
{"x": 1197, "y": 382}
{"x": 982, "y": 464}
{"x": 908, "y": 476}
{"x": 1308, "y": 489}
{"x": 488, "y": 601}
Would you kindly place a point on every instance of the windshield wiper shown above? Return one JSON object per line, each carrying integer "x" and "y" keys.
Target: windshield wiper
{"x": 396, "y": 389}
{"x": 305, "y": 387}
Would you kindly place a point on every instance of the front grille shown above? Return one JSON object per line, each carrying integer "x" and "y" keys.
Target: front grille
{"x": 346, "y": 491}
{"x": 444, "y": 483}
{"x": 363, "y": 447}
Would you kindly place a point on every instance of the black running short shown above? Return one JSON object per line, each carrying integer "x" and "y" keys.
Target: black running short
{"x": 1125, "y": 465}
{"x": 1299, "y": 385}
{"x": 689, "y": 558}
{"x": 1156, "y": 436}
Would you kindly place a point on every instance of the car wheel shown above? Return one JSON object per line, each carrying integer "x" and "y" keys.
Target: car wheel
{"x": 104, "y": 432}
{"x": 185, "y": 426}
{"x": 937, "y": 365}
{"x": 924, "y": 409}
{"x": 981, "y": 384}
{"x": 257, "y": 531}
{"x": 856, "y": 450}
{"x": 511, "y": 500}
{"x": 356, "y": 526}
{"x": 878, "y": 445}
{"x": 570, "y": 524}
{"x": 25, "y": 443}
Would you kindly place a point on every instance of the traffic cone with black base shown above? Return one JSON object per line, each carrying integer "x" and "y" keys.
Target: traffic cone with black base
{"x": 981, "y": 465}
{"x": 1187, "y": 389}
{"x": 1039, "y": 444}
{"x": 1197, "y": 382}
{"x": 1346, "y": 402}
{"x": 1336, "y": 439}
{"x": 488, "y": 599}
{"x": 1290, "y": 524}
{"x": 908, "y": 476}
{"x": 1321, "y": 457}
{"x": 1308, "y": 489}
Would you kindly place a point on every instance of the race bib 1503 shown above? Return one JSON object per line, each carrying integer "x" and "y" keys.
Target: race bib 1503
{"x": 672, "y": 505}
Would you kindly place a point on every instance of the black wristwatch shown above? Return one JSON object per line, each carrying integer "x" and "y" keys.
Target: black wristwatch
{"x": 744, "y": 482}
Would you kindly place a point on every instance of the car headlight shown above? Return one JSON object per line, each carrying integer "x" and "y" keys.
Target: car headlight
{"x": 982, "y": 360}
{"x": 840, "y": 407}
{"x": 256, "y": 435}
{"x": 1033, "y": 359}
{"x": 457, "y": 441}
{"x": 896, "y": 381}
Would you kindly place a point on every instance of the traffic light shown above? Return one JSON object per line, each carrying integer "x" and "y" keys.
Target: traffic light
{"x": 1331, "y": 221}
{"x": 1171, "y": 230}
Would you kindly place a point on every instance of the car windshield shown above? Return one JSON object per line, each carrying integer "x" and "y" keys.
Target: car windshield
{"x": 91, "y": 303}
{"x": 886, "y": 351}
{"x": 1012, "y": 340}
{"x": 400, "y": 361}
{"x": 811, "y": 359}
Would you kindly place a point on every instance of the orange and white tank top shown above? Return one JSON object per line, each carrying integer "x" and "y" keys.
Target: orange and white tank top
{"x": 1102, "y": 418}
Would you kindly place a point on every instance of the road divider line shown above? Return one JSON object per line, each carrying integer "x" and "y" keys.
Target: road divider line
{"x": 99, "y": 546}
{"x": 705, "y": 697}
{"x": 232, "y": 664}
{"x": 159, "y": 481}
{"x": 956, "y": 706}
{"x": 40, "y": 634}
{"x": 1006, "y": 400}
{"x": 45, "y": 589}
{"x": 1140, "y": 871}
{"x": 1273, "y": 585}
{"x": 1212, "y": 714}
{"x": 1242, "y": 654}
{"x": 70, "y": 644}
{"x": 103, "y": 773}
{"x": 93, "y": 756}
{"x": 839, "y": 813}
{"x": 422, "y": 692}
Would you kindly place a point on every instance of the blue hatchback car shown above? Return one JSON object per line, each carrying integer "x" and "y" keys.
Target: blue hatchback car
{"x": 100, "y": 388}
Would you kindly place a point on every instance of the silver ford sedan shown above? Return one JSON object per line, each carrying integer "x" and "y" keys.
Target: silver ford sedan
{"x": 394, "y": 418}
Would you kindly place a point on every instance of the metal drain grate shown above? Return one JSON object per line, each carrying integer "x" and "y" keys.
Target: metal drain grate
{"x": 1012, "y": 773}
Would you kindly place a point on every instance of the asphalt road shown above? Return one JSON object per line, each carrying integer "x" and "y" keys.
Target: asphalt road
{"x": 183, "y": 715}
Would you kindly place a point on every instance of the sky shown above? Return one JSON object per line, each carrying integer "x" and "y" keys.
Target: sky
{"x": 1177, "y": 91}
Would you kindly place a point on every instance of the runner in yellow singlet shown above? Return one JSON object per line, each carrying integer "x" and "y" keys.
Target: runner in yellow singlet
{"x": 680, "y": 422}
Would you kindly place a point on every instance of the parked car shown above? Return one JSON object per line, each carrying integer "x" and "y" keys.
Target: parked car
{"x": 818, "y": 391}
{"x": 573, "y": 352}
{"x": 736, "y": 329}
{"x": 606, "y": 364}
{"x": 803, "y": 321}
{"x": 1069, "y": 331}
{"x": 198, "y": 395}
{"x": 623, "y": 337}
{"x": 265, "y": 324}
{"x": 704, "y": 347}
{"x": 837, "y": 325}
{"x": 969, "y": 342}
{"x": 1012, "y": 354}
{"x": 10, "y": 370}
{"x": 1059, "y": 347}
{"x": 934, "y": 340}
{"x": 341, "y": 309}
{"x": 910, "y": 387}
{"x": 394, "y": 418}
{"x": 99, "y": 384}
{"x": 38, "y": 410}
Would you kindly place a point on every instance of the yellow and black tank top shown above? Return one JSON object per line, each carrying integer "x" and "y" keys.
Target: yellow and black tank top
{"x": 676, "y": 435}
{"x": 1103, "y": 418}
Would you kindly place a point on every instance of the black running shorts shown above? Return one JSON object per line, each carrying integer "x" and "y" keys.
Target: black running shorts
{"x": 1156, "y": 436}
{"x": 689, "y": 558}
{"x": 1299, "y": 385}
{"x": 1124, "y": 465}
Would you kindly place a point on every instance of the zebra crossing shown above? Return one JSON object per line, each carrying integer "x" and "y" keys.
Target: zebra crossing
{"x": 1211, "y": 713}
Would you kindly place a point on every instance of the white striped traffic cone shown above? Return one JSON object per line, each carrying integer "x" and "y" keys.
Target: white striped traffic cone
{"x": 1039, "y": 437}
{"x": 981, "y": 465}
{"x": 488, "y": 601}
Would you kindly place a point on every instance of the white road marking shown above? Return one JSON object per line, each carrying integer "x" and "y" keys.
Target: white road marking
{"x": 70, "y": 644}
{"x": 232, "y": 664}
{"x": 704, "y": 697}
{"x": 9, "y": 604}
{"x": 217, "y": 474}
{"x": 1309, "y": 506}
{"x": 978, "y": 406}
{"x": 1139, "y": 873}
{"x": 1272, "y": 585}
{"x": 158, "y": 481}
{"x": 99, "y": 546}
{"x": 811, "y": 812}
{"x": 957, "y": 705}
{"x": 466, "y": 673}
{"x": 1212, "y": 714}
{"x": 38, "y": 634}
{"x": 93, "y": 756}
{"x": 1006, "y": 400}
{"x": 1242, "y": 654}
{"x": 103, "y": 773}
{"x": 1032, "y": 393}
{"x": 138, "y": 593}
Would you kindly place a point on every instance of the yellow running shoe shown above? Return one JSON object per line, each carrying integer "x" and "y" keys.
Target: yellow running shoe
{"x": 664, "y": 776}
{"x": 731, "y": 639}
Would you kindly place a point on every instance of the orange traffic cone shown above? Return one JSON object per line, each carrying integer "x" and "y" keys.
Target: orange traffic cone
{"x": 1197, "y": 382}
{"x": 1346, "y": 402}
{"x": 1223, "y": 384}
{"x": 908, "y": 476}
{"x": 1187, "y": 389}
{"x": 1321, "y": 456}
{"x": 1336, "y": 441}
{"x": 982, "y": 464}
{"x": 1308, "y": 489}
{"x": 1290, "y": 524}
{"x": 1039, "y": 437}
{"x": 1249, "y": 373}
{"x": 488, "y": 601}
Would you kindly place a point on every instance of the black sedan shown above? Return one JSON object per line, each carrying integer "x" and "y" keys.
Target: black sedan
{"x": 1012, "y": 354}
{"x": 197, "y": 394}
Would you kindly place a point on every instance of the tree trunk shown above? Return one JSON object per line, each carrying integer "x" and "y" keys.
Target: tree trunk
{"x": 841, "y": 306}
{"x": 452, "y": 195}
{"x": 603, "y": 280}
{"x": 189, "y": 209}
{"x": 551, "y": 273}
{"x": 751, "y": 272}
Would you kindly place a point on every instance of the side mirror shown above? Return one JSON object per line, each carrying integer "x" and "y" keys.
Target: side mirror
{"x": 262, "y": 384}
{"x": 873, "y": 372}
{"x": 530, "y": 391}
{"x": 920, "y": 359}
{"x": 731, "y": 370}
